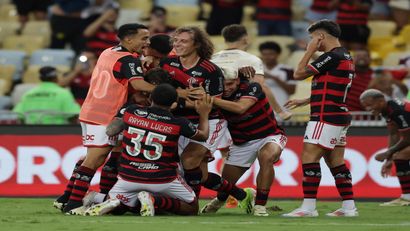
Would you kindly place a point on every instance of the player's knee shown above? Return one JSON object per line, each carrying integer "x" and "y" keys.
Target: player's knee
{"x": 190, "y": 160}
{"x": 268, "y": 159}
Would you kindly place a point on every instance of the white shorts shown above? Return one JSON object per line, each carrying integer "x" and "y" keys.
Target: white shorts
{"x": 226, "y": 141}
{"x": 217, "y": 130}
{"x": 325, "y": 135}
{"x": 94, "y": 136}
{"x": 245, "y": 154}
{"x": 127, "y": 191}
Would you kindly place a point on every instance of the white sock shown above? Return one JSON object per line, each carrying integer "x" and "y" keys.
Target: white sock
{"x": 348, "y": 204}
{"x": 406, "y": 196}
{"x": 309, "y": 204}
{"x": 99, "y": 198}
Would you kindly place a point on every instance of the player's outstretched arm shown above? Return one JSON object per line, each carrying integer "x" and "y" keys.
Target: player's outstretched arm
{"x": 403, "y": 142}
{"x": 238, "y": 107}
{"x": 203, "y": 107}
{"x": 115, "y": 127}
{"x": 294, "y": 103}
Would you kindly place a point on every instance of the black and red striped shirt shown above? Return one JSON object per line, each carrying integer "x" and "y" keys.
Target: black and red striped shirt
{"x": 102, "y": 40}
{"x": 359, "y": 85}
{"x": 274, "y": 10}
{"x": 322, "y": 6}
{"x": 257, "y": 122}
{"x": 150, "y": 144}
{"x": 350, "y": 13}
{"x": 398, "y": 112}
{"x": 204, "y": 73}
{"x": 330, "y": 85}
{"x": 127, "y": 67}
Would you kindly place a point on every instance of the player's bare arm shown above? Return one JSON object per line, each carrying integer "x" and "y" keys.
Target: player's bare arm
{"x": 115, "y": 127}
{"x": 294, "y": 103}
{"x": 303, "y": 71}
{"x": 398, "y": 146}
{"x": 203, "y": 107}
{"x": 238, "y": 107}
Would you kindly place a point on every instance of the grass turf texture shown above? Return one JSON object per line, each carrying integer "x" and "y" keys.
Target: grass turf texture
{"x": 38, "y": 214}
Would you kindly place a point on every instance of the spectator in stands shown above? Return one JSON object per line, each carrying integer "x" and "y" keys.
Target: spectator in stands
{"x": 360, "y": 82}
{"x": 380, "y": 10}
{"x": 48, "y": 103}
{"x": 274, "y": 17}
{"x": 79, "y": 78}
{"x": 401, "y": 13}
{"x": 405, "y": 65}
{"x": 322, "y": 9}
{"x": 36, "y": 7}
{"x": 384, "y": 82}
{"x": 224, "y": 13}
{"x": 102, "y": 33}
{"x": 158, "y": 21}
{"x": 98, "y": 8}
{"x": 67, "y": 26}
{"x": 277, "y": 76}
{"x": 352, "y": 17}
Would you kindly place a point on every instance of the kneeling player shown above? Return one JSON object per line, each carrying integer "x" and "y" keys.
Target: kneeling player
{"x": 255, "y": 134}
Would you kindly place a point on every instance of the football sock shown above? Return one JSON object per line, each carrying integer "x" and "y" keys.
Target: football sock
{"x": 167, "y": 204}
{"x": 261, "y": 196}
{"x": 343, "y": 181}
{"x": 217, "y": 183}
{"x": 84, "y": 176}
{"x": 403, "y": 173}
{"x": 64, "y": 198}
{"x": 310, "y": 184}
{"x": 193, "y": 178}
{"x": 109, "y": 173}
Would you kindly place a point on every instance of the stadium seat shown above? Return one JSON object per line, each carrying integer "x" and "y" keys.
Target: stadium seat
{"x": 166, "y": 3}
{"x": 19, "y": 91}
{"x": 7, "y": 29}
{"x": 129, "y": 16}
{"x": 52, "y": 57}
{"x": 39, "y": 28}
{"x": 381, "y": 28}
{"x": 248, "y": 13}
{"x": 405, "y": 33}
{"x": 6, "y": 74}
{"x": 301, "y": 114}
{"x": 294, "y": 58}
{"x": 218, "y": 41}
{"x": 177, "y": 15}
{"x": 392, "y": 58}
{"x": 9, "y": 117}
{"x": 5, "y": 102}
{"x": 8, "y": 12}
{"x": 15, "y": 58}
{"x": 27, "y": 43}
{"x": 32, "y": 75}
{"x": 144, "y": 7}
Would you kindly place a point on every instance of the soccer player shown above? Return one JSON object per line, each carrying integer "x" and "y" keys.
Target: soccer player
{"x": 325, "y": 134}
{"x": 116, "y": 68}
{"x": 235, "y": 55}
{"x": 191, "y": 67}
{"x": 148, "y": 169}
{"x": 255, "y": 134}
{"x": 397, "y": 115}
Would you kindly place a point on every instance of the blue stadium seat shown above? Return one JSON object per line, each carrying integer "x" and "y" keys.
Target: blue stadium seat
{"x": 15, "y": 58}
{"x": 52, "y": 57}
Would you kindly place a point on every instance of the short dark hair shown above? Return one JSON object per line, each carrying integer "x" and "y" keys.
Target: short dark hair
{"x": 48, "y": 73}
{"x": 329, "y": 26}
{"x": 234, "y": 32}
{"x": 270, "y": 45}
{"x": 157, "y": 76}
{"x": 158, "y": 9}
{"x": 161, "y": 43}
{"x": 164, "y": 95}
{"x": 129, "y": 29}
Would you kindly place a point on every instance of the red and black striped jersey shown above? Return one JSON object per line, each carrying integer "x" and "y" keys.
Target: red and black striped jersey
{"x": 150, "y": 144}
{"x": 204, "y": 73}
{"x": 359, "y": 85}
{"x": 257, "y": 122}
{"x": 274, "y": 10}
{"x": 102, "y": 40}
{"x": 321, "y": 6}
{"x": 349, "y": 13}
{"x": 128, "y": 67}
{"x": 330, "y": 85}
{"x": 398, "y": 112}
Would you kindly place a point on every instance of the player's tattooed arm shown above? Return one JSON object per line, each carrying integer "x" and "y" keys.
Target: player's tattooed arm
{"x": 115, "y": 127}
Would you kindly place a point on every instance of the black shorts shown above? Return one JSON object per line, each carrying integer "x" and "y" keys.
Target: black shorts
{"x": 355, "y": 33}
{"x": 24, "y": 7}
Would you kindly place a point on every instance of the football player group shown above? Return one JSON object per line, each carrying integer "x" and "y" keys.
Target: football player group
{"x": 158, "y": 108}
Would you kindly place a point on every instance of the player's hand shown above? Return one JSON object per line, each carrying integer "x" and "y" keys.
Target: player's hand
{"x": 147, "y": 62}
{"x": 294, "y": 103}
{"x": 195, "y": 93}
{"x": 386, "y": 168}
{"x": 204, "y": 106}
{"x": 314, "y": 45}
{"x": 383, "y": 156}
{"x": 247, "y": 71}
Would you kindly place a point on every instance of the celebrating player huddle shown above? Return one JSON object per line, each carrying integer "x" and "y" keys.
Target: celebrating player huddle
{"x": 194, "y": 108}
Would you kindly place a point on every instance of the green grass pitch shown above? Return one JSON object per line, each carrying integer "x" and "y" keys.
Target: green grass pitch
{"x": 38, "y": 214}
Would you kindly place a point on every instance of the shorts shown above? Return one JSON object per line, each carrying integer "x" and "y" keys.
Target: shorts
{"x": 245, "y": 154}
{"x": 217, "y": 131}
{"x": 226, "y": 141}
{"x": 24, "y": 7}
{"x": 94, "y": 136}
{"x": 325, "y": 135}
{"x": 355, "y": 33}
{"x": 127, "y": 191}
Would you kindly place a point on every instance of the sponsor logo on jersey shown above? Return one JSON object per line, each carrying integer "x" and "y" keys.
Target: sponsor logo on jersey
{"x": 141, "y": 113}
{"x": 319, "y": 64}
{"x": 174, "y": 64}
{"x": 196, "y": 73}
{"x": 132, "y": 68}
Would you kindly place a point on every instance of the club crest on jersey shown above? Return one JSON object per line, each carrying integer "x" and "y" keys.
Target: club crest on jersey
{"x": 141, "y": 113}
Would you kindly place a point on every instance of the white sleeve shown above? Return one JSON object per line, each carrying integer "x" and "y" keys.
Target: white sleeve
{"x": 257, "y": 64}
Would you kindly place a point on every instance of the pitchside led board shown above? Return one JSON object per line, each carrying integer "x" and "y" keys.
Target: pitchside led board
{"x": 39, "y": 160}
